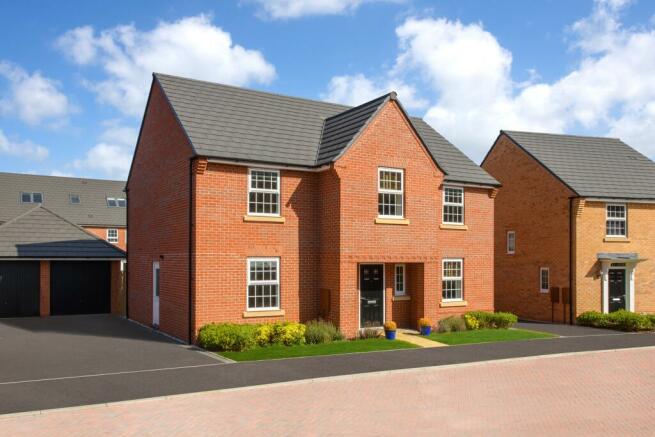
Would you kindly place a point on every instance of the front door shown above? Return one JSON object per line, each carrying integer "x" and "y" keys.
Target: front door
{"x": 155, "y": 294}
{"x": 616, "y": 290}
{"x": 371, "y": 296}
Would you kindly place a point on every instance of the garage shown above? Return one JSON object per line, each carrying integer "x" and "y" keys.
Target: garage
{"x": 79, "y": 287}
{"x": 19, "y": 288}
{"x": 50, "y": 266}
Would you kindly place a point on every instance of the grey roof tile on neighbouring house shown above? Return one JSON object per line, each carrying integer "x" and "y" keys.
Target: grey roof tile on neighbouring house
{"x": 92, "y": 209}
{"x": 592, "y": 166}
{"x": 237, "y": 124}
{"x": 40, "y": 233}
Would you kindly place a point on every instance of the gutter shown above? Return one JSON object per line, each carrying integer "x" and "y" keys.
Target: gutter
{"x": 244, "y": 163}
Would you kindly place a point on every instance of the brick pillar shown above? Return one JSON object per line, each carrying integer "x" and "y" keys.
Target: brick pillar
{"x": 44, "y": 288}
{"x": 117, "y": 289}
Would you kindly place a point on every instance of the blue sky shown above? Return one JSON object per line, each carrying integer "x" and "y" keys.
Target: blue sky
{"x": 74, "y": 75}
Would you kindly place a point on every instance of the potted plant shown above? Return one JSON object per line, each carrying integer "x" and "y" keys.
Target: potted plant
{"x": 425, "y": 325}
{"x": 390, "y": 330}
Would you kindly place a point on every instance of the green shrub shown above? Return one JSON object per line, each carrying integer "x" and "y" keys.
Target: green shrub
{"x": 320, "y": 331}
{"x": 452, "y": 324}
{"x": 471, "y": 322}
{"x": 227, "y": 337}
{"x": 488, "y": 320}
{"x": 369, "y": 333}
{"x": 286, "y": 333}
{"x": 622, "y": 320}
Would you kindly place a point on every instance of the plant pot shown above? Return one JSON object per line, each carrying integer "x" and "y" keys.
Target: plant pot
{"x": 425, "y": 330}
{"x": 390, "y": 335}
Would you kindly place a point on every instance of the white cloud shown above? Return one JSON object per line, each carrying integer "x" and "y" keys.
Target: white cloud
{"x": 357, "y": 89}
{"x": 33, "y": 97}
{"x": 61, "y": 173}
{"x": 285, "y": 9}
{"x": 112, "y": 155}
{"x": 191, "y": 47}
{"x": 611, "y": 90}
{"x": 22, "y": 149}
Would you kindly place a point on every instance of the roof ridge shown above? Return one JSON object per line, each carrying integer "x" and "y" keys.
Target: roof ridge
{"x": 23, "y": 214}
{"x": 60, "y": 177}
{"x": 266, "y": 93}
{"x": 558, "y": 135}
{"x": 391, "y": 95}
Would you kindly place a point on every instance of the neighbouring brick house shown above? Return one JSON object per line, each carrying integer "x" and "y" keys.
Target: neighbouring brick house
{"x": 62, "y": 244}
{"x": 575, "y": 216}
{"x": 249, "y": 207}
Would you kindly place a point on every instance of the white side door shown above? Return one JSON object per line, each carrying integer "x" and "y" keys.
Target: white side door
{"x": 155, "y": 294}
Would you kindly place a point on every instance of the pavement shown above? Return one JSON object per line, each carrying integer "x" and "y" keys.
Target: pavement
{"x": 82, "y": 360}
{"x": 540, "y": 396}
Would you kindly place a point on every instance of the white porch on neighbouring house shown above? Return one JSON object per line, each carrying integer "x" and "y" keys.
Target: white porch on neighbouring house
{"x": 617, "y": 271}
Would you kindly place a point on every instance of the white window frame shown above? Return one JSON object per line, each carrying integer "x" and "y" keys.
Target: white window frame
{"x": 615, "y": 219}
{"x": 71, "y": 196}
{"x": 443, "y": 207}
{"x": 262, "y": 282}
{"x": 31, "y": 194}
{"x": 263, "y": 190}
{"x": 451, "y": 278}
{"x": 402, "y": 291}
{"x": 387, "y": 191}
{"x": 541, "y": 272}
{"x": 116, "y": 200}
{"x": 110, "y": 238}
{"x": 511, "y": 236}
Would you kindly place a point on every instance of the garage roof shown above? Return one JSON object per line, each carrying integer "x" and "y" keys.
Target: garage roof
{"x": 238, "y": 124}
{"x": 40, "y": 233}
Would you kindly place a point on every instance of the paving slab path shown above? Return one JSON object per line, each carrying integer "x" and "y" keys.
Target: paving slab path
{"x": 547, "y": 395}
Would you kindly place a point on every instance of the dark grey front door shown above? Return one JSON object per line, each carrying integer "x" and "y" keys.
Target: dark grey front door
{"x": 616, "y": 290}
{"x": 371, "y": 298}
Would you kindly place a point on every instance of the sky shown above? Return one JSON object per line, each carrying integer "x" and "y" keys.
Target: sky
{"x": 74, "y": 76}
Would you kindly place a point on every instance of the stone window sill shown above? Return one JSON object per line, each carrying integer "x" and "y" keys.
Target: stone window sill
{"x": 401, "y": 298}
{"x": 454, "y": 227}
{"x": 391, "y": 221}
{"x": 616, "y": 240}
{"x": 455, "y": 303}
{"x": 263, "y": 219}
{"x": 271, "y": 313}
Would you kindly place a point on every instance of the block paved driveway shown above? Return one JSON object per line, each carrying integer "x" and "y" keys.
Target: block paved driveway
{"x": 588, "y": 393}
{"x": 79, "y": 360}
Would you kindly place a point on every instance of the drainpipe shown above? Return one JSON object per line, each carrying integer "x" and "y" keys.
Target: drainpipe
{"x": 571, "y": 260}
{"x": 190, "y": 315}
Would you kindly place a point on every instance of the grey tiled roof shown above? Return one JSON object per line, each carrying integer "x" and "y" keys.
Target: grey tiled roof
{"x": 592, "y": 166}
{"x": 40, "y": 233}
{"x": 238, "y": 124}
{"x": 93, "y": 193}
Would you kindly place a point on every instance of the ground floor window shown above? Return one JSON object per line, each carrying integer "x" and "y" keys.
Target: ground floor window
{"x": 544, "y": 279}
{"x": 112, "y": 235}
{"x": 452, "y": 274}
{"x": 399, "y": 280}
{"x": 263, "y": 284}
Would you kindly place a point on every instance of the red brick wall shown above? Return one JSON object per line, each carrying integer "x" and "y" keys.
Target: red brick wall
{"x": 534, "y": 204}
{"x": 158, "y": 218}
{"x": 102, "y": 233}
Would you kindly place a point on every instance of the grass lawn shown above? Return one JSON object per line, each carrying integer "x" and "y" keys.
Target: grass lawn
{"x": 307, "y": 350}
{"x": 487, "y": 336}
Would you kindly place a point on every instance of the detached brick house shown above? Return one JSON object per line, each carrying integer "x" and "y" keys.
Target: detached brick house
{"x": 575, "y": 217}
{"x": 250, "y": 207}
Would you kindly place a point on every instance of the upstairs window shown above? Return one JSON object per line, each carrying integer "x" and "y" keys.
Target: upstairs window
{"x": 74, "y": 199}
{"x": 453, "y": 205}
{"x": 31, "y": 197}
{"x": 112, "y": 235}
{"x": 390, "y": 193}
{"x": 452, "y": 279}
{"x": 116, "y": 202}
{"x": 544, "y": 279}
{"x": 615, "y": 225}
{"x": 399, "y": 280}
{"x": 263, "y": 284}
{"x": 264, "y": 192}
{"x": 511, "y": 242}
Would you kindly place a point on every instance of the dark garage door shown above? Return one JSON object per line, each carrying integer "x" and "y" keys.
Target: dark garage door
{"x": 19, "y": 289}
{"x": 79, "y": 287}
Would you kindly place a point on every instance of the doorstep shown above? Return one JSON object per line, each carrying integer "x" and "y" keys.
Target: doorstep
{"x": 411, "y": 336}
